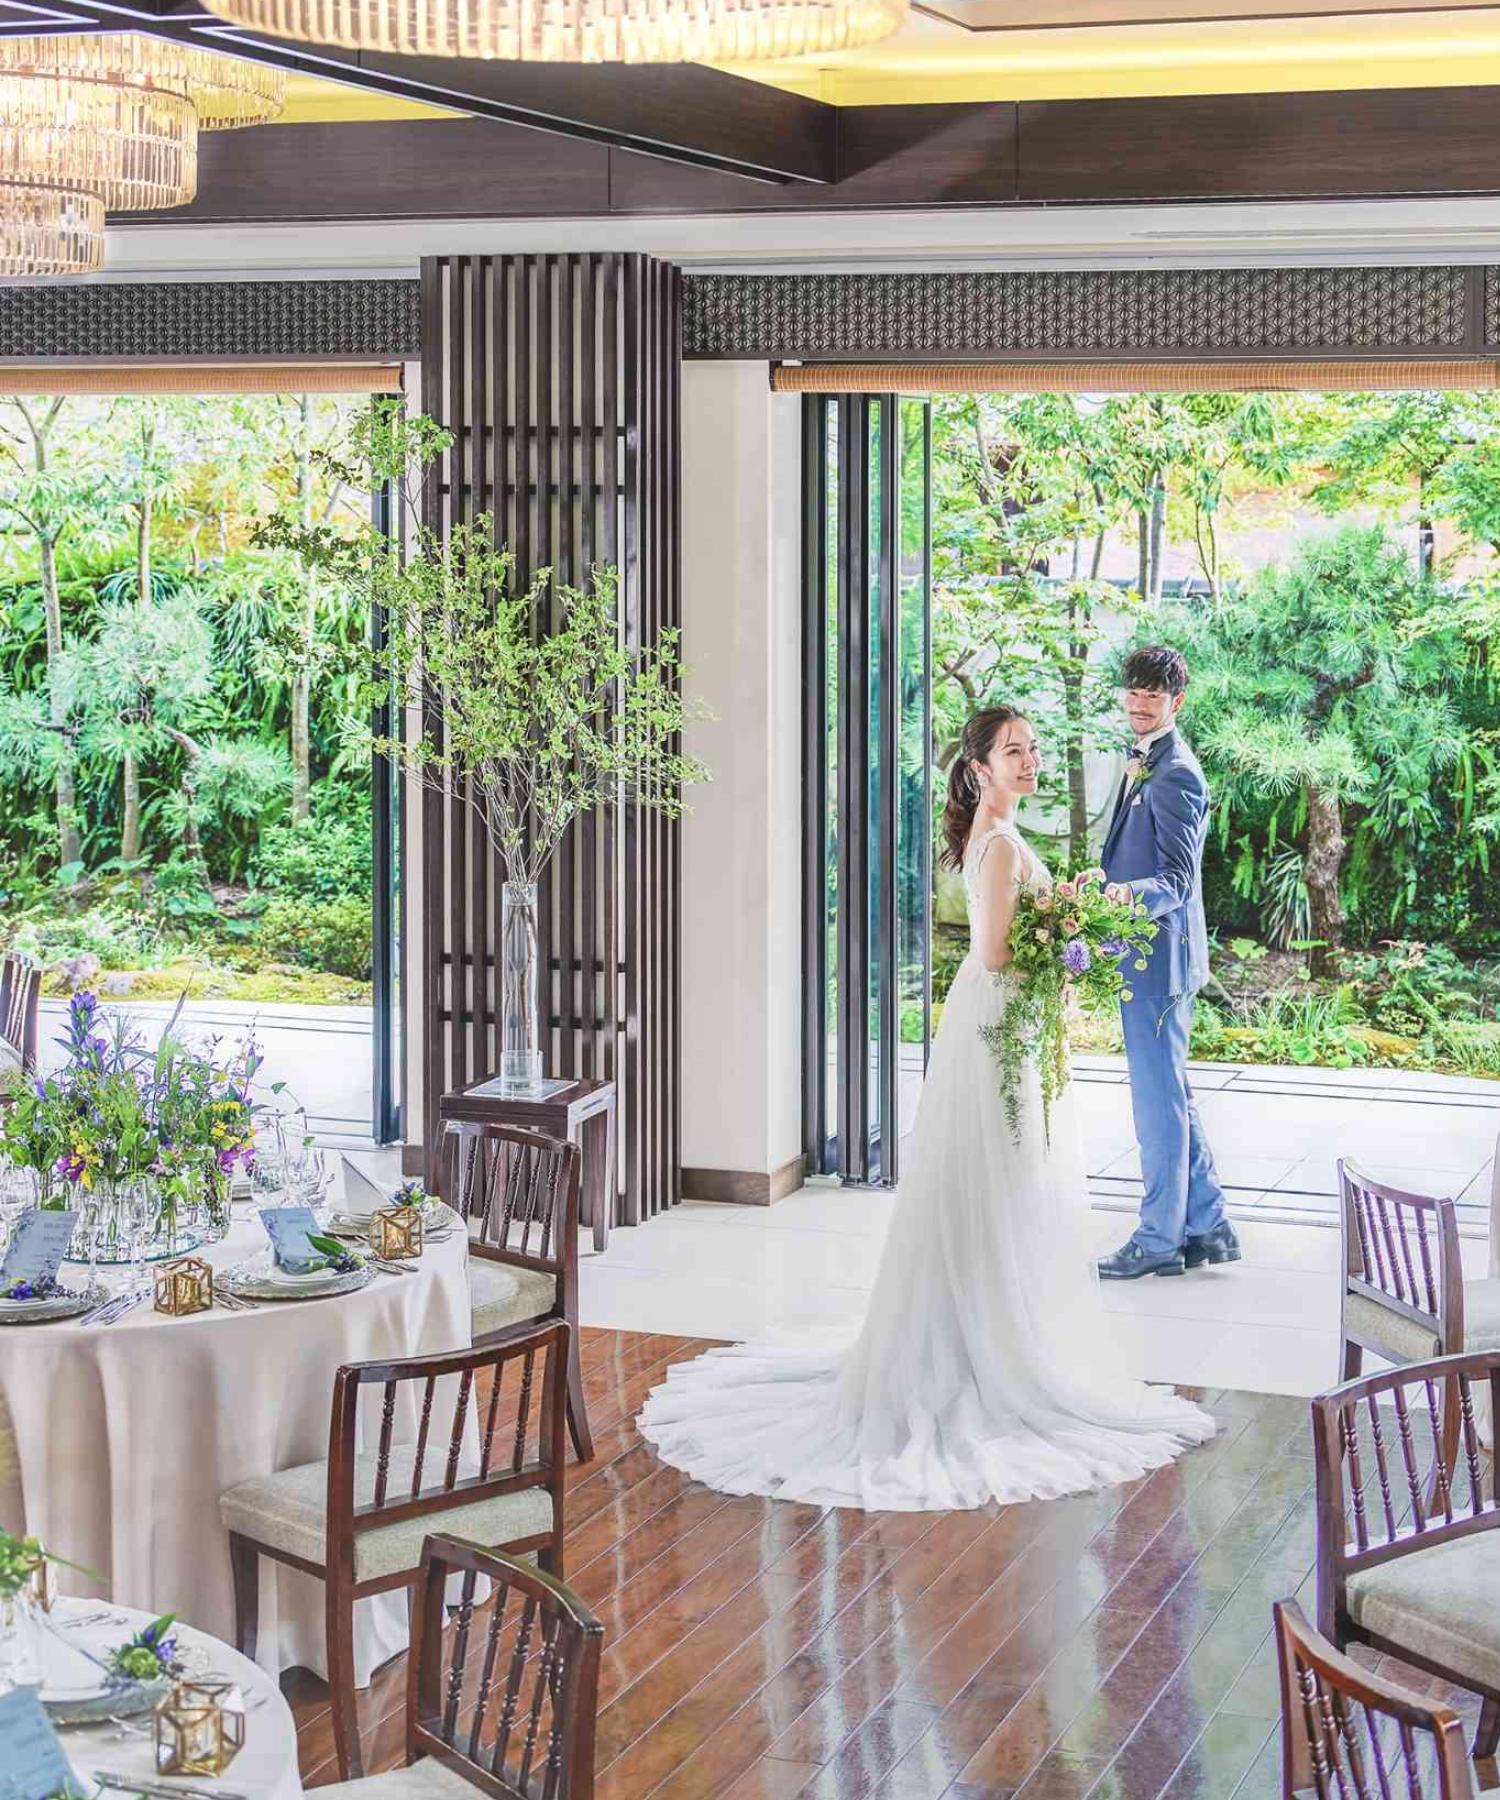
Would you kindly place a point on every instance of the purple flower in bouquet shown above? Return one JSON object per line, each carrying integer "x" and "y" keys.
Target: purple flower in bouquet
{"x": 71, "y": 1165}
{"x": 1116, "y": 948}
{"x": 1077, "y": 957}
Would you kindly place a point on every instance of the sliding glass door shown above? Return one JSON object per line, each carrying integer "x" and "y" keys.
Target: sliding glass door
{"x": 867, "y": 749}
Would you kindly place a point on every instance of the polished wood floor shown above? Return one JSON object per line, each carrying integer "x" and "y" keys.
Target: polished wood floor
{"x": 1114, "y": 1645}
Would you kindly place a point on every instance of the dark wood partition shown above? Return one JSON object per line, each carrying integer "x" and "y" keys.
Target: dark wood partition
{"x": 559, "y": 377}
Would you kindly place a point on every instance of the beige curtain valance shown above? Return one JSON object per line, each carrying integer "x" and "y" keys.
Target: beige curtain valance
{"x": 1133, "y": 377}
{"x": 98, "y": 376}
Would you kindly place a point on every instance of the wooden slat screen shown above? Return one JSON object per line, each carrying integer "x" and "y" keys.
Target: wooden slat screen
{"x": 1126, "y": 377}
{"x": 559, "y": 377}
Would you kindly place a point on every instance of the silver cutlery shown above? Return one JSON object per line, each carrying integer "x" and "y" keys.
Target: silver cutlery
{"x": 162, "y": 1789}
{"x": 393, "y": 1268}
{"x": 127, "y": 1303}
{"x": 230, "y": 1300}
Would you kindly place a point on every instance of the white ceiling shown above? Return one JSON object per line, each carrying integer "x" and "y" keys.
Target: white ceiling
{"x": 1239, "y": 236}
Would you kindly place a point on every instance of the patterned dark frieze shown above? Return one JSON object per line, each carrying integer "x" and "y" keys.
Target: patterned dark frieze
{"x": 1099, "y": 312}
{"x": 160, "y": 320}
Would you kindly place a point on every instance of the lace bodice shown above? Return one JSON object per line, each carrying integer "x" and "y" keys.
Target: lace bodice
{"x": 1033, "y": 870}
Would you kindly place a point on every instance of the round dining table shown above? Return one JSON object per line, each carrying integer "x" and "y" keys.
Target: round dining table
{"x": 122, "y": 1436}
{"x": 265, "y": 1768}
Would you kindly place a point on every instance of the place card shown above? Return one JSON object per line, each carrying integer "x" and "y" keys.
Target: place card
{"x": 289, "y": 1228}
{"x": 37, "y": 1247}
{"x": 30, "y": 1754}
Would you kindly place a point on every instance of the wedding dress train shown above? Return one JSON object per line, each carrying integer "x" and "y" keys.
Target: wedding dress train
{"x": 985, "y": 1368}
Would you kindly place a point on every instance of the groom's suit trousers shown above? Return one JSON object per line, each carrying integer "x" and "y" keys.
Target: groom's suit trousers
{"x": 1182, "y": 1194}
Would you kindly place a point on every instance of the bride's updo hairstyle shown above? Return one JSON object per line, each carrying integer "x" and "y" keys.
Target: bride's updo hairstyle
{"x": 979, "y": 734}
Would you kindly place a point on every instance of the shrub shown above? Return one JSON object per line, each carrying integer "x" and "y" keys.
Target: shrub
{"x": 119, "y": 940}
{"x": 180, "y": 895}
{"x": 333, "y": 935}
{"x": 327, "y": 858}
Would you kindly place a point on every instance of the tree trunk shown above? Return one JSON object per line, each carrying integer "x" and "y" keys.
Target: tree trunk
{"x": 1143, "y": 556}
{"x": 1322, "y": 862}
{"x": 1158, "y": 533}
{"x": 143, "y": 514}
{"x": 130, "y": 829}
{"x": 69, "y": 838}
{"x": 1072, "y": 685}
{"x": 301, "y": 735}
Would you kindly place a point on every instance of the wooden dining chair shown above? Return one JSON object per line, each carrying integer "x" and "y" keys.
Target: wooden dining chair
{"x": 1408, "y": 1525}
{"x": 502, "y": 1686}
{"x": 518, "y": 1193}
{"x": 1349, "y": 1734}
{"x": 1404, "y": 1294}
{"x": 20, "y": 1004}
{"x": 358, "y": 1521}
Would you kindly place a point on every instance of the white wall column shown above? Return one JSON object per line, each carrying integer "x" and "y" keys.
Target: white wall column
{"x": 741, "y": 844}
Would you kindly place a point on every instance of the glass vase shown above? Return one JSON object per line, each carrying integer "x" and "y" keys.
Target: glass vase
{"x": 20, "y": 1643}
{"x": 520, "y": 1025}
{"x": 214, "y": 1227}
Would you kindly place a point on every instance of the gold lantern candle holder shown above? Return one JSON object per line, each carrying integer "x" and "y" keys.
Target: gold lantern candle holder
{"x": 183, "y": 1287}
{"x": 396, "y": 1231}
{"x": 198, "y": 1728}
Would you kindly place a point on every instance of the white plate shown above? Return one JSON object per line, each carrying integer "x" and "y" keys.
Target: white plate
{"x": 266, "y": 1282}
{"x": 53, "y": 1306}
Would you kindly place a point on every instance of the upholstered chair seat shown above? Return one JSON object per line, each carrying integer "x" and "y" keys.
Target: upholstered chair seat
{"x": 425, "y": 1780}
{"x": 289, "y": 1512}
{"x": 1442, "y": 1603}
{"x": 504, "y": 1294}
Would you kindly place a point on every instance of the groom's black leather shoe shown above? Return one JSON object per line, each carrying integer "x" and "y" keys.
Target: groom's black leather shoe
{"x": 1130, "y": 1262}
{"x": 1217, "y": 1246}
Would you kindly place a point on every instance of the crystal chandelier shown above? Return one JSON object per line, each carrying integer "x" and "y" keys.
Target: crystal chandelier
{"x": 225, "y": 90}
{"x": 46, "y": 231}
{"x": 108, "y": 119}
{"x": 134, "y": 147}
{"x": 624, "y": 31}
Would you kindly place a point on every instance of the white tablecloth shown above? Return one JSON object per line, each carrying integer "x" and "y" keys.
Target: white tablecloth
{"x": 267, "y": 1766}
{"x": 125, "y": 1435}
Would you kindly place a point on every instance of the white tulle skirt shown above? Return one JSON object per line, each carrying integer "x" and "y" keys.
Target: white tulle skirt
{"x": 984, "y": 1370}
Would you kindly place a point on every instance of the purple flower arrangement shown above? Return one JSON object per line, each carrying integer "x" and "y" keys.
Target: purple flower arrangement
{"x": 1069, "y": 947}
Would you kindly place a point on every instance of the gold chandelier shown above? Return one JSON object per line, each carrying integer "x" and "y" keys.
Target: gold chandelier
{"x": 47, "y": 231}
{"x": 577, "y": 31}
{"x": 134, "y": 147}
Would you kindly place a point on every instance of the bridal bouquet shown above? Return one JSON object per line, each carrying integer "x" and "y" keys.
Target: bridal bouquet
{"x": 1068, "y": 948}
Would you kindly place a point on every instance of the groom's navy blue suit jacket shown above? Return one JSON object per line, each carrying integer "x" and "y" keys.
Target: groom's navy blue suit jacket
{"x": 1155, "y": 842}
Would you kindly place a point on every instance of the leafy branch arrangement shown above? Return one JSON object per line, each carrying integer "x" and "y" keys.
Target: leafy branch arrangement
{"x": 540, "y": 710}
{"x": 1067, "y": 947}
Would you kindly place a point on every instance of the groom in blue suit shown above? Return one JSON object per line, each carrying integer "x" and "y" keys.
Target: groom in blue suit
{"x": 1154, "y": 851}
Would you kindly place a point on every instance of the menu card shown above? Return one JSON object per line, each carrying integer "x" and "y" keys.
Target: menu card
{"x": 288, "y": 1228}
{"x": 30, "y": 1754}
{"x": 37, "y": 1247}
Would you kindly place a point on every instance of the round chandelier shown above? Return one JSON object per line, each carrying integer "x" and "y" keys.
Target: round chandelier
{"x": 135, "y": 147}
{"x": 225, "y": 90}
{"x": 90, "y": 121}
{"x": 577, "y": 31}
{"x": 47, "y": 231}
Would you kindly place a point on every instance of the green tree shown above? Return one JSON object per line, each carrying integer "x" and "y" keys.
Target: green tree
{"x": 1318, "y": 684}
{"x": 47, "y": 499}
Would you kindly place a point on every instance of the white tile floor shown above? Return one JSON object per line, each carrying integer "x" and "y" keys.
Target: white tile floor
{"x": 1267, "y": 1324}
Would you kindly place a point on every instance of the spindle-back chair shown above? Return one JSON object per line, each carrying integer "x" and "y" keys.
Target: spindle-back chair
{"x": 20, "y": 1003}
{"x": 358, "y": 1521}
{"x": 1403, "y": 1295}
{"x": 1408, "y": 1525}
{"x": 507, "y": 1695}
{"x": 518, "y": 1193}
{"x": 1349, "y": 1734}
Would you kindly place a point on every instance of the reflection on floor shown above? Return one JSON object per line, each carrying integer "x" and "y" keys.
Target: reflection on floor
{"x": 1268, "y": 1324}
{"x": 1111, "y": 1644}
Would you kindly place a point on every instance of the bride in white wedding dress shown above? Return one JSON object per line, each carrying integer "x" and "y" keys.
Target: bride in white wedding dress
{"x": 985, "y": 1369}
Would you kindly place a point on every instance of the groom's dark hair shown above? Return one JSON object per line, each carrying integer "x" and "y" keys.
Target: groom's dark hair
{"x": 1157, "y": 668}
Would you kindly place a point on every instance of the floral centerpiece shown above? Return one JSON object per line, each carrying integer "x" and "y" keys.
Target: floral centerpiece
{"x": 177, "y": 1119}
{"x": 1069, "y": 947}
